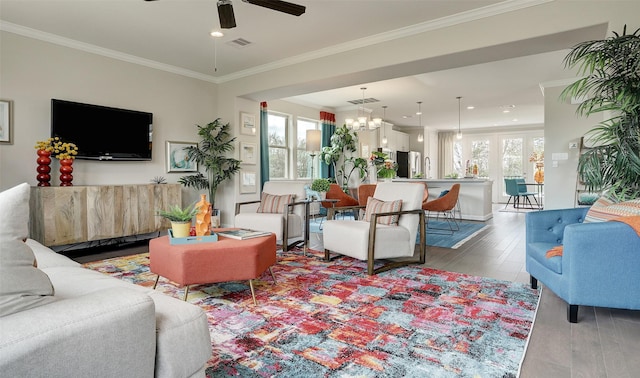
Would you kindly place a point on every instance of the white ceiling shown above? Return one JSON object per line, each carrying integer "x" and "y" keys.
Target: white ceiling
{"x": 174, "y": 35}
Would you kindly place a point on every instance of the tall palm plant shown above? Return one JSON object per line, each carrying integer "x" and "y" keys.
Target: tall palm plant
{"x": 211, "y": 153}
{"x": 611, "y": 83}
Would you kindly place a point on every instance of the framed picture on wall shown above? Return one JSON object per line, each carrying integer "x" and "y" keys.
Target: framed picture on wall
{"x": 247, "y": 124}
{"x": 177, "y": 157}
{"x": 6, "y": 122}
{"x": 248, "y": 181}
{"x": 248, "y": 153}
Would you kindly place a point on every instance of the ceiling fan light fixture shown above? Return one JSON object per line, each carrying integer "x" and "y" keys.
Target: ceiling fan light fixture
{"x": 226, "y": 15}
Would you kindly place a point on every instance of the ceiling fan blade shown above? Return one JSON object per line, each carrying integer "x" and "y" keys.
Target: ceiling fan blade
{"x": 280, "y": 6}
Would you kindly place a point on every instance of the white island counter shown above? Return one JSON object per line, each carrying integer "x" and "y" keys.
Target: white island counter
{"x": 475, "y": 195}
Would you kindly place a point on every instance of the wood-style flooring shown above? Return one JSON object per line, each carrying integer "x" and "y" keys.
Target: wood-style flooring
{"x": 605, "y": 343}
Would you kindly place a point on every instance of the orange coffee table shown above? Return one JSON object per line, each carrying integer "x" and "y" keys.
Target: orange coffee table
{"x": 221, "y": 261}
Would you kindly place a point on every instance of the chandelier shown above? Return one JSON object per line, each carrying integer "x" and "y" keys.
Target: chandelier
{"x": 361, "y": 122}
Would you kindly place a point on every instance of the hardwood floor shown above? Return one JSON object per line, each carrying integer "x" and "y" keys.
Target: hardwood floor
{"x": 604, "y": 343}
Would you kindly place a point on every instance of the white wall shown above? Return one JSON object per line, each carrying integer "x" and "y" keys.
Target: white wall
{"x": 32, "y": 72}
{"x": 562, "y": 126}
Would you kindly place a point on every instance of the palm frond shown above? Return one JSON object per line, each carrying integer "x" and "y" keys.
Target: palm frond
{"x": 610, "y": 83}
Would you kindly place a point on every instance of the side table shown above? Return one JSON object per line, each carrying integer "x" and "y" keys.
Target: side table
{"x": 221, "y": 261}
{"x": 307, "y": 207}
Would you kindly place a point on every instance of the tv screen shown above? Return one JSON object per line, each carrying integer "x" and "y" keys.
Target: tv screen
{"x": 103, "y": 133}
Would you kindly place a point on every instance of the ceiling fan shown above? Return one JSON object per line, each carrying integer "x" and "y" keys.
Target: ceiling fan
{"x": 228, "y": 20}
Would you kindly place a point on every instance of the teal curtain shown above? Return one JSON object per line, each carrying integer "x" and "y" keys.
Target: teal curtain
{"x": 328, "y": 124}
{"x": 264, "y": 145}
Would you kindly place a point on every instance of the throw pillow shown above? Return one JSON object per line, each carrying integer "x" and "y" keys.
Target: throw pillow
{"x": 375, "y": 205}
{"x": 22, "y": 286}
{"x": 14, "y": 201}
{"x": 607, "y": 208}
{"x": 273, "y": 203}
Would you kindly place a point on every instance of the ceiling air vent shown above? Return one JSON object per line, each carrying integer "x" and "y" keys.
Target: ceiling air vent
{"x": 366, "y": 101}
{"x": 239, "y": 43}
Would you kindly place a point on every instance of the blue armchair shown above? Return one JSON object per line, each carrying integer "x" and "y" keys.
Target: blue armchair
{"x": 599, "y": 266}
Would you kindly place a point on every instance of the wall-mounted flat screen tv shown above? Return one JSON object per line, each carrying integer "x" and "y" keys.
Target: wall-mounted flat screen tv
{"x": 101, "y": 132}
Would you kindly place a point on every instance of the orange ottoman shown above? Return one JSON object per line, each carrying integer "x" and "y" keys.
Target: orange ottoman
{"x": 221, "y": 261}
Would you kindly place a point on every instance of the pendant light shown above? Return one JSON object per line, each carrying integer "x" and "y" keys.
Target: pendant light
{"x": 384, "y": 127}
{"x": 419, "y": 113}
{"x": 459, "y": 135}
{"x": 361, "y": 120}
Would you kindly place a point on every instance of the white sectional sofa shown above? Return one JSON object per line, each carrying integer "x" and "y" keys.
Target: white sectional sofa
{"x": 62, "y": 320}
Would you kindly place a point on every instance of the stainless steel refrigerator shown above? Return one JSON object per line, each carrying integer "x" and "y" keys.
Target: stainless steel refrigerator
{"x": 409, "y": 163}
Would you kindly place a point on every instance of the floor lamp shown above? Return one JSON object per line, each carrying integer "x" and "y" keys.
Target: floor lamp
{"x": 313, "y": 145}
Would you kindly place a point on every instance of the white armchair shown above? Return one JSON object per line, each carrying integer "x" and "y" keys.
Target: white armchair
{"x": 371, "y": 240}
{"x": 287, "y": 221}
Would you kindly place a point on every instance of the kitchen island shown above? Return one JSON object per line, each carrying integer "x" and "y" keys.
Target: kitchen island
{"x": 474, "y": 198}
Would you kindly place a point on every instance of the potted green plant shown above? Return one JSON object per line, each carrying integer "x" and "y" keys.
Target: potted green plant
{"x": 385, "y": 167}
{"x": 211, "y": 153}
{"x": 321, "y": 186}
{"x": 180, "y": 219}
{"x": 343, "y": 145}
{"x": 610, "y": 71}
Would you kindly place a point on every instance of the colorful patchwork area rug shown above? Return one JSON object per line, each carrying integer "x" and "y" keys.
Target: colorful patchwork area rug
{"x": 330, "y": 319}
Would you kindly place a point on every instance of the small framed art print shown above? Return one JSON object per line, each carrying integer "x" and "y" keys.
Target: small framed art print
{"x": 247, "y": 124}
{"x": 248, "y": 153}
{"x": 177, "y": 157}
{"x": 6, "y": 122}
{"x": 248, "y": 182}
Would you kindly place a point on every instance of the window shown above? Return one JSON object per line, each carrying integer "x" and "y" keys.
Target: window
{"x": 480, "y": 149}
{"x": 288, "y": 157}
{"x": 303, "y": 157}
{"x": 478, "y": 154}
{"x": 498, "y": 156}
{"x": 537, "y": 152}
{"x": 278, "y": 152}
{"x": 512, "y": 156}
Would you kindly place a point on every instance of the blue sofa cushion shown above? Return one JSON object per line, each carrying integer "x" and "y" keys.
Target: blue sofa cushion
{"x": 538, "y": 251}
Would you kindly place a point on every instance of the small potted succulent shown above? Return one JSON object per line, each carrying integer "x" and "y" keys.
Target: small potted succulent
{"x": 321, "y": 186}
{"x": 180, "y": 219}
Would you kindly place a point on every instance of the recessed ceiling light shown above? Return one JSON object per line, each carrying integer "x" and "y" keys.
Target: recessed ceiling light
{"x": 217, "y": 34}
{"x": 470, "y": 107}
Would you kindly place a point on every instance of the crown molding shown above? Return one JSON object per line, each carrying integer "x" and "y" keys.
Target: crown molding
{"x": 460, "y": 18}
{"x": 87, "y": 47}
{"x": 440, "y": 23}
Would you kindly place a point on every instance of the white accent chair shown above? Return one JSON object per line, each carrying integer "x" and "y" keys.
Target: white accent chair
{"x": 370, "y": 241}
{"x": 286, "y": 226}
